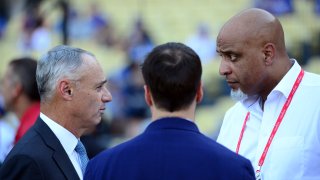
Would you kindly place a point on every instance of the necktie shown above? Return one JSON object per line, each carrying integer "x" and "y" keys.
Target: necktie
{"x": 82, "y": 155}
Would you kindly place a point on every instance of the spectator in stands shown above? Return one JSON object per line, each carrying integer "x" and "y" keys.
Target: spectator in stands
{"x": 276, "y": 7}
{"x": 101, "y": 26}
{"x": 203, "y": 44}
{"x": 317, "y": 7}
{"x": 127, "y": 83}
{"x": 139, "y": 42}
{"x": 4, "y": 17}
{"x": 40, "y": 40}
{"x": 8, "y": 126}
{"x": 129, "y": 105}
{"x": 20, "y": 92}
{"x": 35, "y": 37}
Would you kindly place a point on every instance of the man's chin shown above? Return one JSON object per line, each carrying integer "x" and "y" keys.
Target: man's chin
{"x": 238, "y": 95}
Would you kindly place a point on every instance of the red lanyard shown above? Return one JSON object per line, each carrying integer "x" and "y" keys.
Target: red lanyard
{"x": 277, "y": 124}
{"x": 242, "y": 131}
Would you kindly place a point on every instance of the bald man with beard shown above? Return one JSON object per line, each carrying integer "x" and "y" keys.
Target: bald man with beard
{"x": 276, "y": 121}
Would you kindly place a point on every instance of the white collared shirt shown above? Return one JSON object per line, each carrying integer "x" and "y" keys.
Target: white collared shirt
{"x": 67, "y": 140}
{"x": 294, "y": 153}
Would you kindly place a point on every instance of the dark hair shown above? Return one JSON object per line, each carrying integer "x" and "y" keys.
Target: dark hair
{"x": 172, "y": 72}
{"x": 25, "y": 69}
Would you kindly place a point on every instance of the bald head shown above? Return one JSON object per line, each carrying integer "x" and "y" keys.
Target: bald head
{"x": 256, "y": 25}
{"x": 253, "y": 52}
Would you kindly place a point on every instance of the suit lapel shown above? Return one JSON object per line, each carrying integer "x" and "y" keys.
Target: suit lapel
{"x": 59, "y": 154}
{"x": 65, "y": 165}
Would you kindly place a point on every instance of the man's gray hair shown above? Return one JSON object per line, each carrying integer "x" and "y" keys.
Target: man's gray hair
{"x": 60, "y": 62}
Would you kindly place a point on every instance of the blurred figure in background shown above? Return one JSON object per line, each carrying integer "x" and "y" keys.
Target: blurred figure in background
{"x": 127, "y": 84}
{"x": 131, "y": 107}
{"x": 20, "y": 92}
{"x": 2, "y": 109}
{"x": 317, "y": 7}
{"x": 4, "y": 16}
{"x": 171, "y": 147}
{"x": 40, "y": 38}
{"x": 8, "y": 127}
{"x": 276, "y": 7}
{"x": 101, "y": 27}
{"x": 276, "y": 123}
{"x": 35, "y": 37}
{"x": 139, "y": 42}
{"x": 64, "y": 6}
{"x": 203, "y": 44}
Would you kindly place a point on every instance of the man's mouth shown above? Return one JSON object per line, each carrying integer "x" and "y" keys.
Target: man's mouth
{"x": 102, "y": 109}
{"x": 233, "y": 84}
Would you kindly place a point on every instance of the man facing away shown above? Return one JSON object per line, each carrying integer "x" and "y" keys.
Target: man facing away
{"x": 73, "y": 93}
{"x": 171, "y": 147}
{"x": 276, "y": 123}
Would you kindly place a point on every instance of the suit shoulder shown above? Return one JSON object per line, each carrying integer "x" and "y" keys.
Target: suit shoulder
{"x": 217, "y": 154}
{"x": 31, "y": 145}
{"x": 220, "y": 151}
{"x": 231, "y": 160}
{"x": 120, "y": 148}
{"x": 20, "y": 165}
{"x": 100, "y": 165}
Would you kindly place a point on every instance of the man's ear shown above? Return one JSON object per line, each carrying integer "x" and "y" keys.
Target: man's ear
{"x": 147, "y": 95}
{"x": 269, "y": 53}
{"x": 199, "y": 94}
{"x": 17, "y": 89}
{"x": 65, "y": 89}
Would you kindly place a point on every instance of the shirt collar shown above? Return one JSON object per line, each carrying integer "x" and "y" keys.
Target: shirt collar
{"x": 249, "y": 101}
{"x": 286, "y": 83}
{"x": 284, "y": 86}
{"x": 172, "y": 123}
{"x": 66, "y": 138}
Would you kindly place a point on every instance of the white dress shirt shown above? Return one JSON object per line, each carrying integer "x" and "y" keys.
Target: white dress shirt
{"x": 294, "y": 153}
{"x": 67, "y": 140}
{"x": 7, "y": 134}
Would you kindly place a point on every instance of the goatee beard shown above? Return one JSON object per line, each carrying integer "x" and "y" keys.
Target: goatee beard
{"x": 238, "y": 95}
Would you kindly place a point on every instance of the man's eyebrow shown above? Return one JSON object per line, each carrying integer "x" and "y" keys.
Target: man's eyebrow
{"x": 227, "y": 52}
{"x": 223, "y": 51}
{"x": 102, "y": 82}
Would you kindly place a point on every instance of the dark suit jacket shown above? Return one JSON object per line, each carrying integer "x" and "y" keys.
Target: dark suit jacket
{"x": 38, "y": 155}
{"x": 170, "y": 148}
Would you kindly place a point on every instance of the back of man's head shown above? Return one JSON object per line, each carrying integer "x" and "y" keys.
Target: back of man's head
{"x": 25, "y": 71}
{"x": 172, "y": 72}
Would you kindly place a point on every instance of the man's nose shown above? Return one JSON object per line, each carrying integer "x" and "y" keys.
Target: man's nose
{"x": 106, "y": 97}
{"x": 224, "y": 68}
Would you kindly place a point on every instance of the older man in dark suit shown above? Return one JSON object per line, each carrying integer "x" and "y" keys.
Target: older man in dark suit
{"x": 172, "y": 146}
{"x": 73, "y": 93}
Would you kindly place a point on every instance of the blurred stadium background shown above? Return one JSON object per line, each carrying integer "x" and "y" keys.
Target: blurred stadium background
{"x": 164, "y": 21}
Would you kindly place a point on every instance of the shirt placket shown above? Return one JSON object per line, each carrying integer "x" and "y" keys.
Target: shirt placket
{"x": 269, "y": 118}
